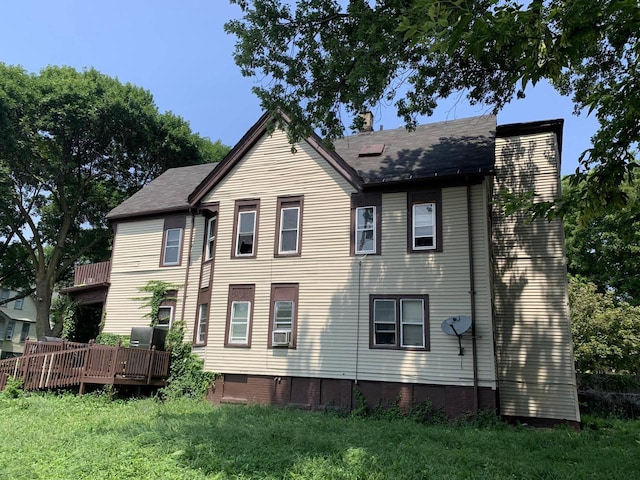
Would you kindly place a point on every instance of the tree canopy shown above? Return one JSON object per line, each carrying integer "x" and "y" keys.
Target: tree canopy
{"x": 73, "y": 145}
{"x": 318, "y": 58}
{"x": 605, "y": 249}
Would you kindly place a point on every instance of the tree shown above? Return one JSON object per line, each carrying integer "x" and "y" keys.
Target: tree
{"x": 73, "y": 145}
{"x": 605, "y": 250}
{"x": 318, "y": 58}
{"x": 606, "y": 332}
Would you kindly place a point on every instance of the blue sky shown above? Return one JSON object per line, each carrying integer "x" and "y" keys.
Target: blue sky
{"x": 180, "y": 53}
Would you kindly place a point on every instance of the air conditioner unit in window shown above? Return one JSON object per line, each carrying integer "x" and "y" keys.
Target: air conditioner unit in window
{"x": 281, "y": 338}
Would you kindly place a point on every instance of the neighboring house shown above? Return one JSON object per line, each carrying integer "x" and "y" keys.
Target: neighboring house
{"x": 303, "y": 275}
{"x": 17, "y": 323}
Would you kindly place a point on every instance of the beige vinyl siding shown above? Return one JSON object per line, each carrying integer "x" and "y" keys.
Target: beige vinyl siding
{"x": 445, "y": 278}
{"x": 533, "y": 337}
{"x": 333, "y": 327}
{"x": 267, "y": 171}
{"x": 135, "y": 260}
{"x": 191, "y": 284}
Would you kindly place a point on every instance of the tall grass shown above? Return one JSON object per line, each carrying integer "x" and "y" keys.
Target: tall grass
{"x": 67, "y": 437}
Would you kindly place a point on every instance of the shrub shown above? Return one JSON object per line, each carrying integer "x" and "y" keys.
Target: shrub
{"x": 606, "y": 331}
{"x": 187, "y": 377}
{"x": 13, "y": 388}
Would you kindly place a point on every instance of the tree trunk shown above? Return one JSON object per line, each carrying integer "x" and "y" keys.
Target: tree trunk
{"x": 44, "y": 292}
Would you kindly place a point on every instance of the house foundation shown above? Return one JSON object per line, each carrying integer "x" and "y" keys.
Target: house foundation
{"x": 327, "y": 393}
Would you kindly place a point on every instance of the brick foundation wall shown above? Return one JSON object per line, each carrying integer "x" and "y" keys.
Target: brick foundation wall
{"x": 327, "y": 393}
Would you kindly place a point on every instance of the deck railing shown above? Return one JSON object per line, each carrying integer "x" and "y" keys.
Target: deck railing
{"x": 91, "y": 273}
{"x": 63, "y": 364}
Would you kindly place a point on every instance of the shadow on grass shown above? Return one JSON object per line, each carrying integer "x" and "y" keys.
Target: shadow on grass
{"x": 260, "y": 442}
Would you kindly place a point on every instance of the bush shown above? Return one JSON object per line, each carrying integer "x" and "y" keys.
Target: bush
{"x": 13, "y": 388}
{"x": 606, "y": 332}
{"x": 187, "y": 377}
{"x": 112, "y": 339}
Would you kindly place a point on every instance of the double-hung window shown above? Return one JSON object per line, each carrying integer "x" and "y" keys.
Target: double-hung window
{"x": 365, "y": 241}
{"x": 239, "y": 315}
{"x": 11, "y": 327}
{"x": 366, "y": 222}
{"x": 289, "y": 226}
{"x": 18, "y": 304}
{"x": 203, "y": 322}
{"x": 246, "y": 228}
{"x": 172, "y": 243}
{"x": 399, "y": 322}
{"x": 24, "y": 334}
{"x": 4, "y": 294}
{"x": 424, "y": 226}
{"x": 283, "y": 315}
{"x": 210, "y": 237}
{"x": 165, "y": 317}
{"x": 172, "y": 240}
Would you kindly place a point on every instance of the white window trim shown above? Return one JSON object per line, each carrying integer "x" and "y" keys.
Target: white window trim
{"x": 395, "y": 322}
{"x": 282, "y": 230}
{"x": 359, "y": 230}
{"x": 165, "y": 307}
{"x": 18, "y": 304}
{"x": 237, "y": 321}
{"x": 403, "y": 323}
{"x": 434, "y": 227}
{"x": 210, "y": 237}
{"x": 203, "y": 322}
{"x": 253, "y": 233}
{"x": 167, "y": 247}
{"x": 275, "y": 315}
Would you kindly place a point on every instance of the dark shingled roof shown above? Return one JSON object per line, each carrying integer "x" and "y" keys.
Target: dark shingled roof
{"x": 168, "y": 192}
{"x": 456, "y": 147}
{"x": 444, "y": 149}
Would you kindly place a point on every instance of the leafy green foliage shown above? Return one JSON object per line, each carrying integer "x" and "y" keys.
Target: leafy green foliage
{"x": 73, "y": 145}
{"x": 113, "y": 340}
{"x": 13, "y": 388}
{"x": 62, "y": 437}
{"x": 316, "y": 59}
{"x": 157, "y": 291}
{"x": 187, "y": 376}
{"x": 606, "y": 332}
{"x": 64, "y": 310}
{"x": 605, "y": 250}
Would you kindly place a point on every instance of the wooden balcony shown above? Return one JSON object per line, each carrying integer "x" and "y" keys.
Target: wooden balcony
{"x": 91, "y": 274}
{"x": 90, "y": 283}
{"x": 47, "y": 365}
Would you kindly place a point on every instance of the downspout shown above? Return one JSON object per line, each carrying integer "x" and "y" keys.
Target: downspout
{"x": 186, "y": 274}
{"x": 472, "y": 293}
{"x": 358, "y": 317}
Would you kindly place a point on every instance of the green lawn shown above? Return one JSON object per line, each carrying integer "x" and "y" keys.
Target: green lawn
{"x": 67, "y": 437}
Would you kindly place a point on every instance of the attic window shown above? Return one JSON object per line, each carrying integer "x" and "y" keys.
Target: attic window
{"x": 372, "y": 150}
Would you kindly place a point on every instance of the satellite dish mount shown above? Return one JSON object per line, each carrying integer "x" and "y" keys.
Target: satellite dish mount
{"x": 457, "y": 326}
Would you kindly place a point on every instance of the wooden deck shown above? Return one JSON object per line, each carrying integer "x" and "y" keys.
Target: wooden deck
{"x": 46, "y": 365}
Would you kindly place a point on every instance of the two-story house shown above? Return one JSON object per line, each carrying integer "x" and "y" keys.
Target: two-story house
{"x": 17, "y": 323}
{"x": 303, "y": 274}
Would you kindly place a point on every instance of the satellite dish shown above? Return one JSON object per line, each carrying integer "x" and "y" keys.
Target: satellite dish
{"x": 457, "y": 326}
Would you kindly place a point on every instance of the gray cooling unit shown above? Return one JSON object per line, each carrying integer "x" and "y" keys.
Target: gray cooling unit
{"x": 146, "y": 337}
